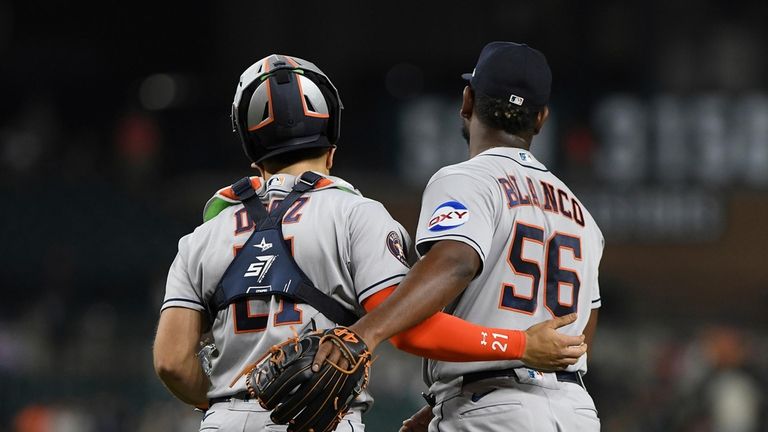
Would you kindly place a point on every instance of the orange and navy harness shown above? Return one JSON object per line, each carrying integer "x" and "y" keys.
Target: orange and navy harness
{"x": 265, "y": 267}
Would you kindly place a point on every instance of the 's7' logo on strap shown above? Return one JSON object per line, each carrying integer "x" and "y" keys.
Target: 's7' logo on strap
{"x": 346, "y": 335}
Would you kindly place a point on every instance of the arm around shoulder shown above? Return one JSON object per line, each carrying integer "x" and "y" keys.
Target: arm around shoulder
{"x": 432, "y": 283}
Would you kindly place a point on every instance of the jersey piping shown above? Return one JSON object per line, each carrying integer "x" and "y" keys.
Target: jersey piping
{"x": 362, "y": 295}
{"x": 448, "y": 236}
{"x": 515, "y": 161}
{"x": 182, "y": 300}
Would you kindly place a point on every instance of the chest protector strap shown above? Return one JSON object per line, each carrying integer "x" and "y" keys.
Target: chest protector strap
{"x": 265, "y": 265}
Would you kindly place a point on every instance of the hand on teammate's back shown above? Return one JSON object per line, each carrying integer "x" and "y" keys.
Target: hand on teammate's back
{"x": 548, "y": 350}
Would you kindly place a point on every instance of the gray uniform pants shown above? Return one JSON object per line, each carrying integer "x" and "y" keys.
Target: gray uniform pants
{"x": 505, "y": 404}
{"x": 248, "y": 416}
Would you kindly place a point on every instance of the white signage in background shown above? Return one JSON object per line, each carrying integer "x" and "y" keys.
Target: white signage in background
{"x": 669, "y": 154}
{"x": 708, "y": 140}
{"x": 659, "y": 163}
{"x": 656, "y": 214}
{"x": 429, "y": 131}
{"x": 620, "y": 125}
{"x": 750, "y": 136}
{"x": 663, "y": 162}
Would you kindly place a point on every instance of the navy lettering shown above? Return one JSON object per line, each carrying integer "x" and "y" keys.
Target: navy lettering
{"x": 532, "y": 190}
{"x": 509, "y": 191}
{"x": 523, "y": 200}
{"x": 578, "y": 214}
{"x": 243, "y": 223}
{"x": 560, "y": 195}
{"x": 549, "y": 197}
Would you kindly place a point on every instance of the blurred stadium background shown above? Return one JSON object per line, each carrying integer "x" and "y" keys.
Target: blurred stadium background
{"x": 114, "y": 131}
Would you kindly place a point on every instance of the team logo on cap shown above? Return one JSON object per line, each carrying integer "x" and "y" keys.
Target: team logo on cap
{"x": 395, "y": 246}
{"x": 448, "y": 215}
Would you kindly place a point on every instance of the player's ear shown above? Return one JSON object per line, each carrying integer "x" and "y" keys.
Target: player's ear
{"x": 540, "y": 119}
{"x": 329, "y": 158}
{"x": 467, "y": 103}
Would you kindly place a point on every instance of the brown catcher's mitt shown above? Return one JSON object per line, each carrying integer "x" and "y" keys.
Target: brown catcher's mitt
{"x": 304, "y": 400}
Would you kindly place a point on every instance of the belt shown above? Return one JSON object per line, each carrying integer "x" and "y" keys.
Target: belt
{"x": 243, "y": 395}
{"x": 571, "y": 377}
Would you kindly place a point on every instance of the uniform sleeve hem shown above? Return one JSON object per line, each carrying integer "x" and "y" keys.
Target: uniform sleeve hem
{"x": 378, "y": 286}
{"x": 458, "y": 237}
{"x": 182, "y": 302}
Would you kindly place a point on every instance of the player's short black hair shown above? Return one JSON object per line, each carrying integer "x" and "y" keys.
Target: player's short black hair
{"x": 278, "y": 162}
{"x": 504, "y": 115}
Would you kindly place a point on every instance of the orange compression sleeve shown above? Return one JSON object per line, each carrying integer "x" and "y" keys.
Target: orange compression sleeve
{"x": 448, "y": 338}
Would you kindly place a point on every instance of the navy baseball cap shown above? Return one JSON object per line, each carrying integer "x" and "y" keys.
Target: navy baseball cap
{"x": 517, "y": 72}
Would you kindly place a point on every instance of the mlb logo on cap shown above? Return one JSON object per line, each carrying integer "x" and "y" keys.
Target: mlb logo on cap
{"x": 508, "y": 70}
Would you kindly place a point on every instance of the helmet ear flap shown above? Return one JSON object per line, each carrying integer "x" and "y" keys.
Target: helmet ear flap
{"x": 245, "y": 138}
{"x": 334, "y": 107}
{"x": 334, "y": 121}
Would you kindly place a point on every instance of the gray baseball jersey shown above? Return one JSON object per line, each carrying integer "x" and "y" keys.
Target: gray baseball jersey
{"x": 348, "y": 245}
{"x": 539, "y": 246}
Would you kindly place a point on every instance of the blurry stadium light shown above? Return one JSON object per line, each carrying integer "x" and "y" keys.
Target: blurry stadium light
{"x": 158, "y": 92}
{"x": 579, "y": 144}
{"x": 137, "y": 137}
{"x": 21, "y": 150}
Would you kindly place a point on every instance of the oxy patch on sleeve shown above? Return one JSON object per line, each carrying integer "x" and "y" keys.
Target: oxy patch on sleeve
{"x": 448, "y": 215}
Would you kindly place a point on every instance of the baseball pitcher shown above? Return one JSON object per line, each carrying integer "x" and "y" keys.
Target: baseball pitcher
{"x": 503, "y": 243}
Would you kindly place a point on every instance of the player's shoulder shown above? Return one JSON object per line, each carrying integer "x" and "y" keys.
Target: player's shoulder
{"x": 471, "y": 171}
{"x": 212, "y": 226}
{"x": 208, "y": 233}
{"x": 364, "y": 207}
{"x": 341, "y": 194}
{"x": 590, "y": 222}
{"x": 341, "y": 199}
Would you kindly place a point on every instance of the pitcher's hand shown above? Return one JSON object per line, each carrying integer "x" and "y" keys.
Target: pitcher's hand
{"x": 548, "y": 350}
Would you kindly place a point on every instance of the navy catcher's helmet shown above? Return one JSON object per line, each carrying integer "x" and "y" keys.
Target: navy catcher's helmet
{"x": 284, "y": 104}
